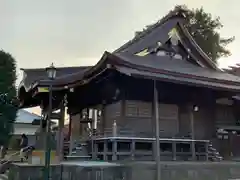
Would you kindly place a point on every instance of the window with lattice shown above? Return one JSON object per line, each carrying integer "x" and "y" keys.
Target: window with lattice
{"x": 138, "y": 109}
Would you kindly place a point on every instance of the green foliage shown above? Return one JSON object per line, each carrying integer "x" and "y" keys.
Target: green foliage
{"x": 7, "y": 86}
{"x": 205, "y": 30}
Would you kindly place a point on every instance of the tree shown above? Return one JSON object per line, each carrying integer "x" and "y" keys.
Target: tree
{"x": 8, "y": 112}
{"x": 205, "y": 30}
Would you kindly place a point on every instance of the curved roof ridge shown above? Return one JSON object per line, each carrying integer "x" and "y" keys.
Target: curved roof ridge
{"x": 88, "y": 70}
{"x": 174, "y": 13}
{"x": 123, "y": 60}
{"x": 171, "y": 14}
{"x": 198, "y": 48}
{"x": 59, "y": 68}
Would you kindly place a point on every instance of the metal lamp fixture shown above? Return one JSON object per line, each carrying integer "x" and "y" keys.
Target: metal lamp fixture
{"x": 51, "y": 72}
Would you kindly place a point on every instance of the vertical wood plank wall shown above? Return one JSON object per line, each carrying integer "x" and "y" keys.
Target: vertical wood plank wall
{"x": 225, "y": 115}
{"x": 137, "y": 117}
{"x": 174, "y": 119}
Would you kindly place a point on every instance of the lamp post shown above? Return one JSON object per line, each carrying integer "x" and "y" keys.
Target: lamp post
{"x": 51, "y": 72}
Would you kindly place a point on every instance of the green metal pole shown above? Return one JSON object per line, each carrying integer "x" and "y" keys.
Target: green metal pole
{"x": 48, "y": 137}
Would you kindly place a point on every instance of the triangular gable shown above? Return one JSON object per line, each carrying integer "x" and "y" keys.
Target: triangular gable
{"x": 161, "y": 33}
{"x": 174, "y": 46}
{"x": 154, "y": 34}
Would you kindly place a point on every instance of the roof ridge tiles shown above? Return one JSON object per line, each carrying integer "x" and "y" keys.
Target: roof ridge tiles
{"x": 180, "y": 13}
{"x": 197, "y": 47}
{"x": 171, "y": 14}
{"x": 133, "y": 65}
{"x": 40, "y": 69}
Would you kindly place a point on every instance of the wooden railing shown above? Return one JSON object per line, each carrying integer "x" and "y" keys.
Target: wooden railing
{"x": 175, "y": 141}
{"x": 122, "y": 132}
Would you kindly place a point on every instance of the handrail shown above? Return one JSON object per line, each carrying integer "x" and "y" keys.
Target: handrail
{"x": 5, "y": 161}
{"x": 121, "y": 132}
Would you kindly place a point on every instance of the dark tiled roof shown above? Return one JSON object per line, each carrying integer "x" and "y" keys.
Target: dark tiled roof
{"x": 159, "y": 33}
{"x": 35, "y": 75}
{"x": 233, "y": 70}
{"x": 65, "y": 80}
{"x": 124, "y": 57}
{"x": 178, "y": 79}
{"x": 171, "y": 65}
{"x": 168, "y": 22}
{"x": 164, "y": 67}
{"x": 79, "y": 75}
{"x": 195, "y": 50}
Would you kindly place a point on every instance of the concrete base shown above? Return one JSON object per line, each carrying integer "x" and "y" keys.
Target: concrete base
{"x": 131, "y": 171}
{"x": 186, "y": 170}
{"x": 24, "y": 171}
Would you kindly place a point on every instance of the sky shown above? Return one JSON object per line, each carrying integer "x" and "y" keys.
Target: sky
{"x": 77, "y": 32}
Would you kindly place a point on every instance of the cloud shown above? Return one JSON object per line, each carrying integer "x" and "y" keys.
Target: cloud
{"x": 68, "y": 32}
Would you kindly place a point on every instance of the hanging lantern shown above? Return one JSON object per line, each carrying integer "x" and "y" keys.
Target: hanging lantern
{"x": 51, "y": 72}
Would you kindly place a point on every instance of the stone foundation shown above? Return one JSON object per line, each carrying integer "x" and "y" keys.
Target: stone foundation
{"x": 131, "y": 171}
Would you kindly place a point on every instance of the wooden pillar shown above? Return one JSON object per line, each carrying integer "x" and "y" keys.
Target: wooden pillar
{"x": 105, "y": 150}
{"x": 114, "y": 129}
{"x": 41, "y": 123}
{"x": 114, "y": 149}
{"x": 95, "y": 150}
{"x": 75, "y": 132}
{"x": 193, "y": 150}
{"x": 153, "y": 132}
{"x": 157, "y": 138}
{"x": 41, "y": 135}
{"x": 153, "y": 150}
{"x": 70, "y": 136}
{"x": 206, "y": 149}
{"x": 103, "y": 118}
{"x": 174, "y": 150}
{"x": 69, "y": 127}
{"x": 94, "y": 144}
{"x": 60, "y": 143}
{"x": 42, "y": 118}
{"x": 123, "y": 109}
{"x": 133, "y": 149}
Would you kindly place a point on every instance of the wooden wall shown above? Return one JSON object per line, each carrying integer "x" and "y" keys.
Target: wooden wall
{"x": 136, "y": 116}
{"x": 225, "y": 115}
{"x": 174, "y": 120}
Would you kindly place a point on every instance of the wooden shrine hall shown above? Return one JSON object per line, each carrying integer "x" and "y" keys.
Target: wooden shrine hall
{"x": 160, "y": 83}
